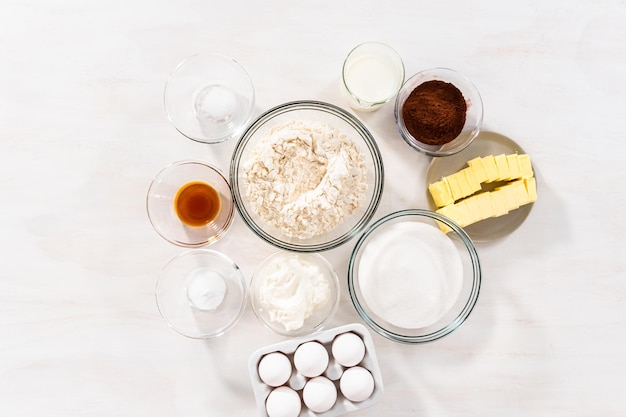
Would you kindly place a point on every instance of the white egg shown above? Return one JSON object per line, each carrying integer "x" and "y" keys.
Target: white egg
{"x": 348, "y": 349}
{"x": 275, "y": 369}
{"x": 283, "y": 402}
{"x": 356, "y": 384}
{"x": 319, "y": 394}
{"x": 311, "y": 359}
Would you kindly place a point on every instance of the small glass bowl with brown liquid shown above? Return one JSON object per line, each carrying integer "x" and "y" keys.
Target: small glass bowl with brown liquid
{"x": 189, "y": 204}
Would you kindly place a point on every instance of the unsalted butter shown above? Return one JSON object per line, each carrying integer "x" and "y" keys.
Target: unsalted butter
{"x": 441, "y": 193}
{"x": 488, "y": 204}
{"x": 478, "y": 168}
{"x": 490, "y": 168}
{"x": 504, "y": 173}
{"x": 515, "y": 170}
{"x": 487, "y": 169}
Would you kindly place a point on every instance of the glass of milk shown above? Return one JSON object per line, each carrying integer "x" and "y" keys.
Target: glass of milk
{"x": 372, "y": 74}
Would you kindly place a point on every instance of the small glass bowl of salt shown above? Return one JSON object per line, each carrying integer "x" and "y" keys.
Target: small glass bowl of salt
{"x": 209, "y": 98}
{"x": 201, "y": 293}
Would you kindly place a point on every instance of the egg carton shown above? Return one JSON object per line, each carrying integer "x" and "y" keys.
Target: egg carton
{"x": 333, "y": 371}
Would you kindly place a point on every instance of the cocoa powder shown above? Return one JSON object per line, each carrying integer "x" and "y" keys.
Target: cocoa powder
{"x": 434, "y": 113}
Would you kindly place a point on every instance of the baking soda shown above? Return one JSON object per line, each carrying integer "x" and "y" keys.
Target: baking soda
{"x": 206, "y": 289}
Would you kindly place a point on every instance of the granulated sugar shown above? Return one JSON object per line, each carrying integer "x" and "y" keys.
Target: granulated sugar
{"x": 410, "y": 274}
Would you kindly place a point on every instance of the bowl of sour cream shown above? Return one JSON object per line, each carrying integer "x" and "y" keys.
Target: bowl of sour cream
{"x": 414, "y": 276}
{"x": 294, "y": 294}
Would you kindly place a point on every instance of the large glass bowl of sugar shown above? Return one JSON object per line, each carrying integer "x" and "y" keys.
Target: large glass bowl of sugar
{"x": 414, "y": 276}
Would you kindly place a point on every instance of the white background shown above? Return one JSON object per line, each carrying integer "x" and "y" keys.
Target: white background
{"x": 83, "y": 131}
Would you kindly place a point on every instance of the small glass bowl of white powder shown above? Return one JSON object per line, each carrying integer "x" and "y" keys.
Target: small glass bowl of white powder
{"x": 294, "y": 294}
{"x": 201, "y": 293}
{"x": 410, "y": 281}
{"x": 209, "y": 98}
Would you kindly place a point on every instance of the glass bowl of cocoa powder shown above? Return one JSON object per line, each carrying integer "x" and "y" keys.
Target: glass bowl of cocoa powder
{"x": 438, "y": 112}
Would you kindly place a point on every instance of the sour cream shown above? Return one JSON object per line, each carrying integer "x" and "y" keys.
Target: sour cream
{"x": 293, "y": 288}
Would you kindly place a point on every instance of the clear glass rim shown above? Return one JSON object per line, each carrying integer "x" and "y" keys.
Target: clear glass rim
{"x": 467, "y": 308}
{"x": 368, "y": 139}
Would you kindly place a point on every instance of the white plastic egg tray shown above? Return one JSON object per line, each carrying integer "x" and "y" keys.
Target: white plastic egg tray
{"x": 333, "y": 371}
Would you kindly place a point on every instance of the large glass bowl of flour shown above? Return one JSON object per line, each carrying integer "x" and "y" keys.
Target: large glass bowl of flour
{"x": 307, "y": 176}
{"x": 414, "y": 276}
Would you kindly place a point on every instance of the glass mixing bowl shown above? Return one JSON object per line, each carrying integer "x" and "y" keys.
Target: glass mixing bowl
{"x": 409, "y": 284}
{"x": 345, "y": 123}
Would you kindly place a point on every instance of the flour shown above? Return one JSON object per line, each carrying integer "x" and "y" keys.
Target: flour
{"x": 305, "y": 178}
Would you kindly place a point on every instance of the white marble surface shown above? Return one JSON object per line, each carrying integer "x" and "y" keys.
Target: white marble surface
{"x": 83, "y": 131}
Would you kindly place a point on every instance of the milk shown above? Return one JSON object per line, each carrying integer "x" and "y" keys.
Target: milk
{"x": 371, "y": 80}
{"x": 372, "y": 74}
